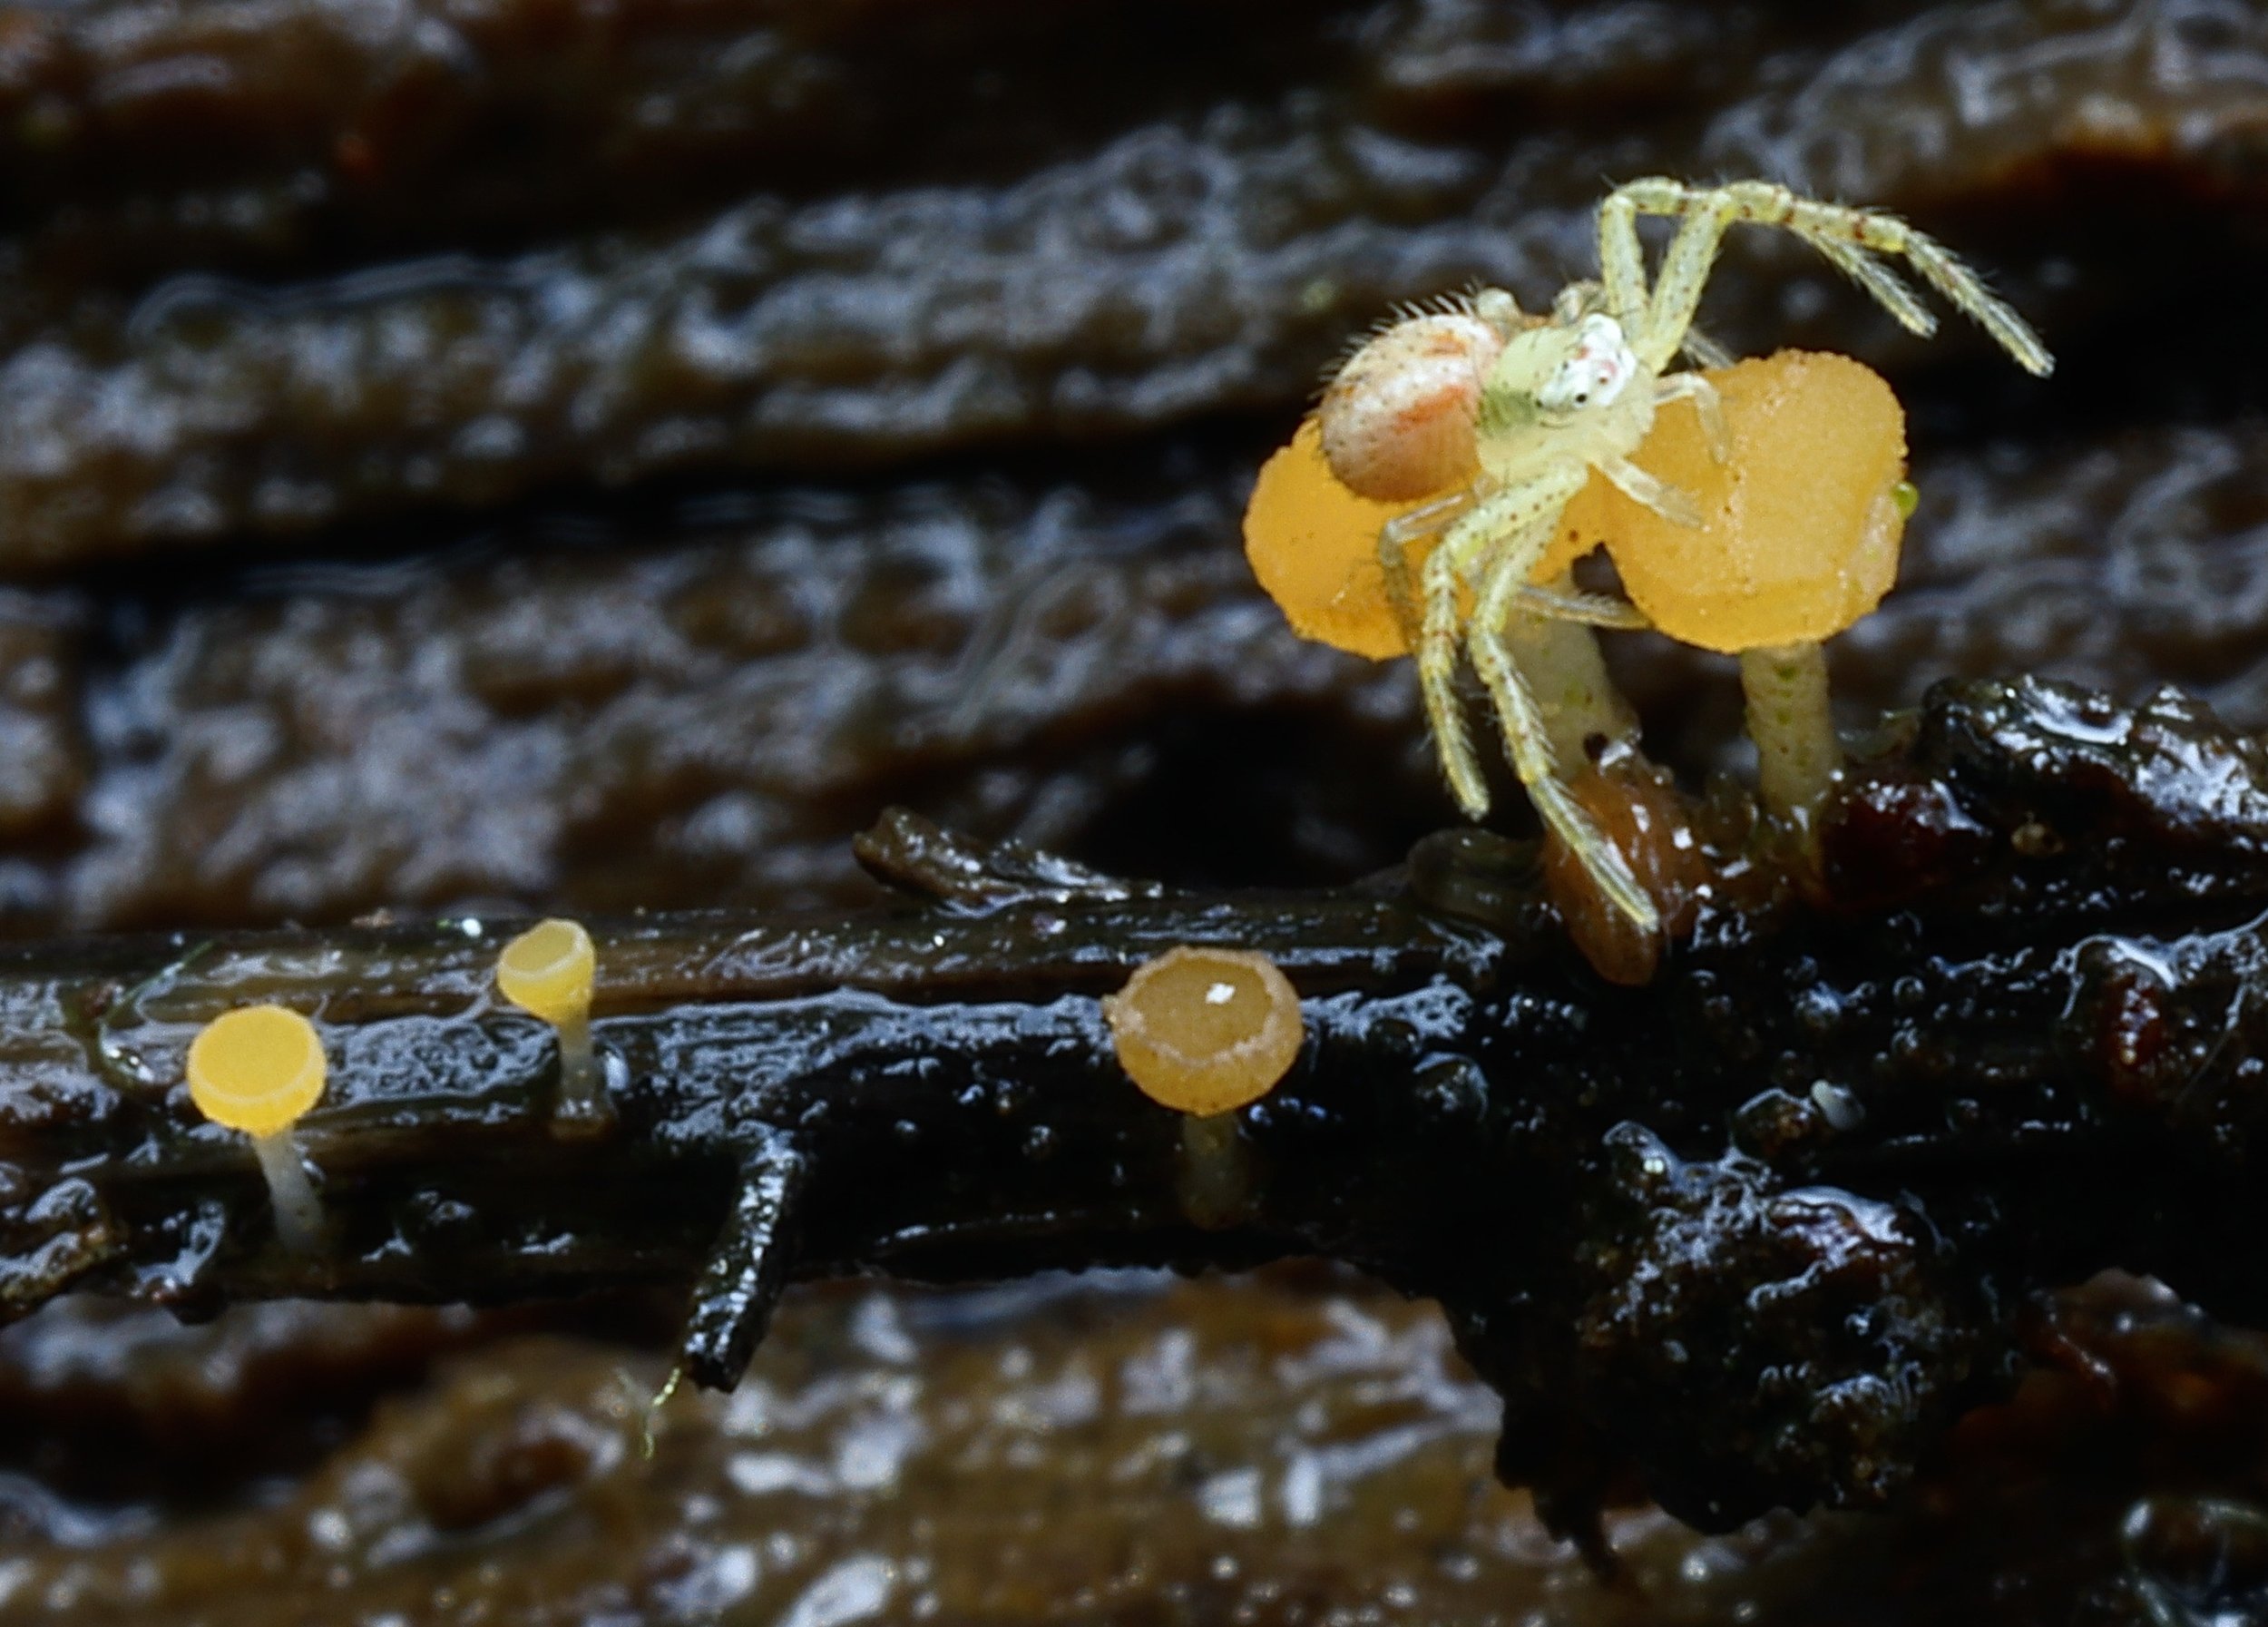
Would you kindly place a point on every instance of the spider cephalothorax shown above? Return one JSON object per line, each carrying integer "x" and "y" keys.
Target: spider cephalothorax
{"x": 1506, "y": 416}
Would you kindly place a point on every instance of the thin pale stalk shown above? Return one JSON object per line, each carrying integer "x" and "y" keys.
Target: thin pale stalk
{"x": 1790, "y": 720}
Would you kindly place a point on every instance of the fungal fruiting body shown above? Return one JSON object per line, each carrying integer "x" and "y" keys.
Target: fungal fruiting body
{"x": 1801, "y": 524}
{"x": 1206, "y": 1032}
{"x": 547, "y": 972}
{"x": 259, "y": 1070}
{"x": 1562, "y": 397}
{"x": 1313, "y": 547}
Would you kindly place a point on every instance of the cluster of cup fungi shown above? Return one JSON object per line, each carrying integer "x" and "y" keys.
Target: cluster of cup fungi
{"x": 1799, "y": 539}
{"x": 1760, "y": 514}
{"x": 259, "y": 1070}
{"x": 1199, "y": 1030}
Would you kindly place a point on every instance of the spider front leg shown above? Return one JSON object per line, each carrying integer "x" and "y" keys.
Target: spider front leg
{"x": 1621, "y": 260}
{"x": 1526, "y": 736}
{"x": 1706, "y": 403}
{"x": 1674, "y": 503}
{"x": 1396, "y": 537}
{"x": 1655, "y": 325}
{"x": 1517, "y": 510}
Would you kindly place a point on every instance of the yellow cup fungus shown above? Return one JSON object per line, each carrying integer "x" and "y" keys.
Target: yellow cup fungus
{"x": 1205, "y": 1032}
{"x": 1312, "y": 545}
{"x": 259, "y": 1070}
{"x": 1800, "y": 538}
{"x": 547, "y": 972}
{"x": 1802, "y": 522}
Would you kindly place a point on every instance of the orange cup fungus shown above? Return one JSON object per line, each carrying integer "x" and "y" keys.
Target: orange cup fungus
{"x": 547, "y": 972}
{"x": 1312, "y": 545}
{"x": 259, "y": 1070}
{"x": 1801, "y": 531}
{"x": 1801, "y": 524}
{"x": 1800, "y": 535}
{"x": 1205, "y": 1031}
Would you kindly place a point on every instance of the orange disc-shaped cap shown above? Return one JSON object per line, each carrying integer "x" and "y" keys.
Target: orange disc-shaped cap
{"x": 1205, "y": 1031}
{"x": 547, "y": 971}
{"x": 256, "y": 1070}
{"x": 1312, "y": 545}
{"x": 1802, "y": 522}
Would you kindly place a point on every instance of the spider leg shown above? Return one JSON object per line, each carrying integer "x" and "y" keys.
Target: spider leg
{"x": 1586, "y": 609}
{"x": 1529, "y": 505}
{"x": 1525, "y": 738}
{"x": 1661, "y": 327}
{"x": 1436, "y": 648}
{"x": 1395, "y": 539}
{"x": 1866, "y": 230}
{"x": 1693, "y": 387}
{"x": 1703, "y": 351}
{"x": 1890, "y": 291}
{"x": 1621, "y": 260}
{"x": 1672, "y": 502}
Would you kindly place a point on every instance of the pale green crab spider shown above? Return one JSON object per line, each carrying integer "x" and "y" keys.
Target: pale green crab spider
{"x": 1508, "y": 414}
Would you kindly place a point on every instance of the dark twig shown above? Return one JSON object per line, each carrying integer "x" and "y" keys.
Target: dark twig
{"x": 1758, "y": 1230}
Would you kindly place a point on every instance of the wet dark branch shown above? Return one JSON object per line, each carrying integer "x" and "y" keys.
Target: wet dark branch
{"x": 1758, "y": 1230}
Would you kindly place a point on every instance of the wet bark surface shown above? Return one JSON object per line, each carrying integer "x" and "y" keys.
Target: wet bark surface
{"x": 531, "y": 457}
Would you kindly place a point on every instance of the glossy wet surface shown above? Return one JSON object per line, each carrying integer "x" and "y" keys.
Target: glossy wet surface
{"x": 1112, "y": 1449}
{"x": 584, "y": 458}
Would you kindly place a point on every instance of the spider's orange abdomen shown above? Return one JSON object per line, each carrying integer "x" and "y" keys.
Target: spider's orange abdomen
{"x": 1397, "y": 420}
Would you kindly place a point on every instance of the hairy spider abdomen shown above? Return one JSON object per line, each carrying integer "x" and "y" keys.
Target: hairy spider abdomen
{"x": 1397, "y": 419}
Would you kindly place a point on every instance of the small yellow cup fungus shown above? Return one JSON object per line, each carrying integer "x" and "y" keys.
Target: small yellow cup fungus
{"x": 259, "y": 1070}
{"x": 1312, "y": 545}
{"x": 1205, "y": 1032}
{"x": 547, "y": 972}
{"x": 1800, "y": 538}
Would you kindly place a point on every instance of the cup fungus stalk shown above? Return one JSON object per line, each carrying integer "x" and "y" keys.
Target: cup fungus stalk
{"x": 1790, "y": 718}
{"x": 1208, "y": 1032}
{"x": 259, "y": 1070}
{"x": 547, "y": 972}
{"x": 1581, "y": 708}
